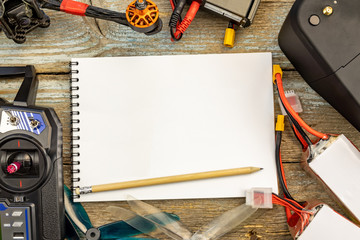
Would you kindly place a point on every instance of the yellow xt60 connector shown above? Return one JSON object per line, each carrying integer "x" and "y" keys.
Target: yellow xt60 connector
{"x": 229, "y": 37}
{"x": 280, "y": 126}
{"x": 276, "y": 70}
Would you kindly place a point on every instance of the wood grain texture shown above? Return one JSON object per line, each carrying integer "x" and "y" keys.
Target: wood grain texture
{"x": 72, "y": 36}
{"x": 50, "y": 50}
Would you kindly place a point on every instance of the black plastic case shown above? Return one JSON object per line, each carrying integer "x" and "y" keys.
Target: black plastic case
{"x": 241, "y": 12}
{"x": 325, "y": 49}
{"x": 31, "y": 199}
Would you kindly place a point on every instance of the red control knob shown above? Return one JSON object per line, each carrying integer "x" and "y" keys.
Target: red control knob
{"x": 13, "y": 167}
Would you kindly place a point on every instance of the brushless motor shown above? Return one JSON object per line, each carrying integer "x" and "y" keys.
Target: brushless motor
{"x": 143, "y": 16}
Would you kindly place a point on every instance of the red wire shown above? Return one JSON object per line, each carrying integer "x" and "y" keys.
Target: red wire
{"x": 287, "y": 210}
{"x": 295, "y": 203}
{"x": 172, "y": 5}
{"x": 190, "y": 15}
{"x": 277, "y": 199}
{"x": 178, "y": 23}
{"x": 288, "y": 213}
{"x": 302, "y": 140}
{"x": 289, "y": 207}
{"x": 293, "y": 113}
{"x": 304, "y": 215}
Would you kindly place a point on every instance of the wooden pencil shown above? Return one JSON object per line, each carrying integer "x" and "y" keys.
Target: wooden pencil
{"x": 166, "y": 180}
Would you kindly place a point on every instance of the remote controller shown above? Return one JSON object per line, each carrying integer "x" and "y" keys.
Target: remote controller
{"x": 31, "y": 182}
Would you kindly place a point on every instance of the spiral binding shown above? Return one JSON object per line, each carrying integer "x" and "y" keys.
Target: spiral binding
{"x": 75, "y": 130}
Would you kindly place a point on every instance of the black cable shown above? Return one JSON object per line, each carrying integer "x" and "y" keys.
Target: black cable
{"x": 176, "y": 14}
{"x": 298, "y": 128}
{"x": 50, "y": 4}
{"x": 176, "y": 18}
{"x": 278, "y": 165}
{"x": 297, "y": 137}
{"x": 91, "y": 11}
{"x": 300, "y": 131}
{"x": 106, "y": 14}
{"x": 295, "y": 123}
{"x": 172, "y": 33}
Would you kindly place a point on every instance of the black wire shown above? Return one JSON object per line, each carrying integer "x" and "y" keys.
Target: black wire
{"x": 278, "y": 165}
{"x": 231, "y": 25}
{"x": 176, "y": 18}
{"x": 300, "y": 131}
{"x": 297, "y": 137}
{"x": 91, "y": 11}
{"x": 106, "y": 14}
{"x": 297, "y": 127}
{"x": 295, "y": 123}
{"x": 50, "y": 4}
{"x": 172, "y": 33}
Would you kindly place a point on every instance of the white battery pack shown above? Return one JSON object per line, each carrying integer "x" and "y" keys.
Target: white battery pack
{"x": 336, "y": 163}
{"x": 328, "y": 224}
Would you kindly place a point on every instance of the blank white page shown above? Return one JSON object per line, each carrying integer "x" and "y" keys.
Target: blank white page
{"x": 154, "y": 116}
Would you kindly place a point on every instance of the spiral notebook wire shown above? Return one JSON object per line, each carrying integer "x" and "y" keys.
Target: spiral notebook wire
{"x": 75, "y": 130}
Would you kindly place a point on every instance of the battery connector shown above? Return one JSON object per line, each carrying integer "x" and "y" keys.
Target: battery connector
{"x": 293, "y": 100}
{"x": 229, "y": 38}
{"x": 259, "y": 198}
{"x": 276, "y": 70}
{"x": 280, "y": 125}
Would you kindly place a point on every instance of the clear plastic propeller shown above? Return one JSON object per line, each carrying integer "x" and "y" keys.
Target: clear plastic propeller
{"x": 79, "y": 226}
{"x": 145, "y": 214}
{"x": 224, "y": 223}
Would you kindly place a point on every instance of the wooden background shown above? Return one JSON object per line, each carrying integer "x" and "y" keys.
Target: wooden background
{"x": 50, "y": 50}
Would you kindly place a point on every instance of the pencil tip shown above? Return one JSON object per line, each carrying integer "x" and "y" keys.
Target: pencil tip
{"x": 261, "y": 168}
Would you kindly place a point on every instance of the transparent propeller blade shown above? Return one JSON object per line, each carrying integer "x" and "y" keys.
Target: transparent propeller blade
{"x": 176, "y": 230}
{"x": 78, "y": 223}
{"x": 119, "y": 230}
{"x": 138, "y": 222}
{"x": 224, "y": 223}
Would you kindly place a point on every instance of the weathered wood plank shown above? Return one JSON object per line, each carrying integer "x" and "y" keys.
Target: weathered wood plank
{"x": 72, "y": 36}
